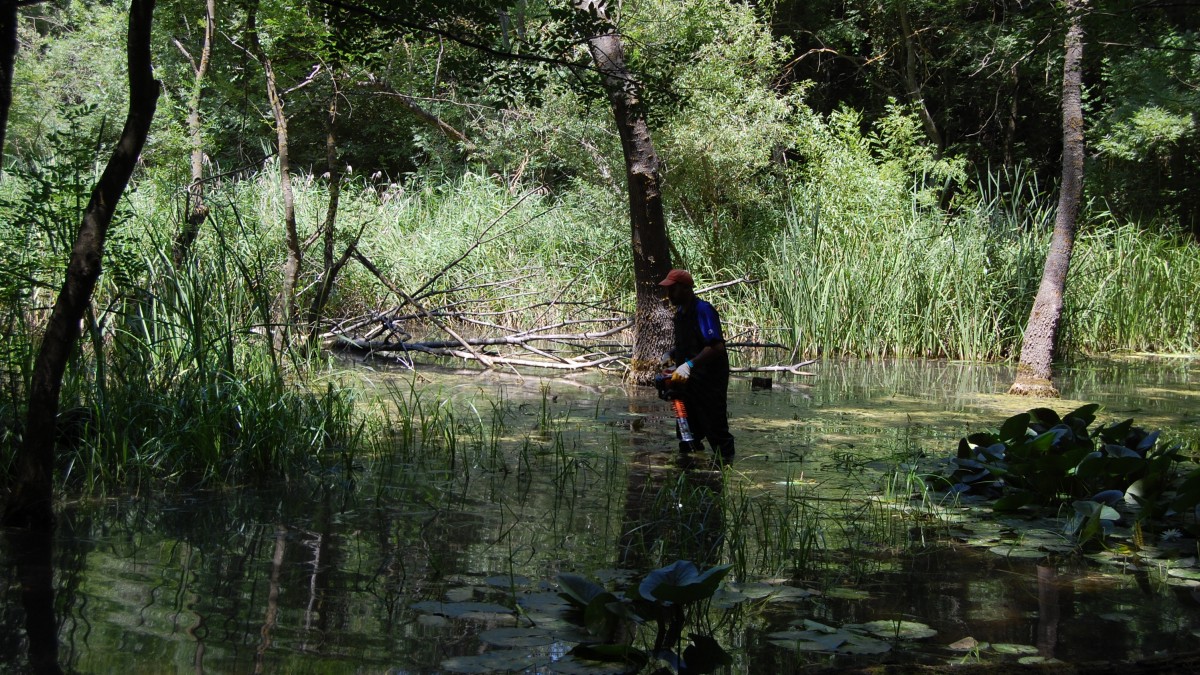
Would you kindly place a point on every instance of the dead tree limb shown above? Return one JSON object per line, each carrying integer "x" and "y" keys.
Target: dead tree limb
{"x": 794, "y": 369}
{"x": 485, "y": 360}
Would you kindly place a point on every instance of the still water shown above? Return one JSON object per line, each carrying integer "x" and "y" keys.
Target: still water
{"x": 444, "y": 557}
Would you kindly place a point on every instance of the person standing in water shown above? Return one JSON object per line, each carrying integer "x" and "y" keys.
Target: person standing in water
{"x": 701, "y": 376}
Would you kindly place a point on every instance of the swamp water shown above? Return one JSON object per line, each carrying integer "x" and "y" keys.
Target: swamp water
{"x": 443, "y": 555}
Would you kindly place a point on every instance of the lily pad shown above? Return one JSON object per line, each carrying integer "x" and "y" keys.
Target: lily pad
{"x": 771, "y": 592}
{"x": 1035, "y": 660}
{"x": 1007, "y": 648}
{"x": 516, "y": 637}
{"x": 1189, "y": 573}
{"x": 808, "y": 641}
{"x": 839, "y": 642}
{"x": 460, "y": 594}
{"x": 490, "y": 662}
{"x": 847, "y": 594}
{"x": 544, "y": 603}
{"x": 476, "y": 611}
{"x": 725, "y": 598}
{"x": 902, "y": 630}
{"x": 1013, "y": 551}
{"x": 506, "y": 581}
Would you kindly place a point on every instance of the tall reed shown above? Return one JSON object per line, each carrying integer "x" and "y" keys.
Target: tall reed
{"x": 925, "y": 285}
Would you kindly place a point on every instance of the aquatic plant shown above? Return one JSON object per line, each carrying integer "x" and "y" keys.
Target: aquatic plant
{"x": 662, "y": 596}
{"x": 1037, "y": 458}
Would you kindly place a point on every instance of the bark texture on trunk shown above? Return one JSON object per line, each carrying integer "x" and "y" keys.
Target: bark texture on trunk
{"x": 1034, "y": 371}
{"x": 8, "y": 61}
{"x": 913, "y": 82}
{"x": 29, "y": 505}
{"x": 291, "y": 266}
{"x": 197, "y": 211}
{"x": 29, "y": 512}
{"x": 652, "y": 328}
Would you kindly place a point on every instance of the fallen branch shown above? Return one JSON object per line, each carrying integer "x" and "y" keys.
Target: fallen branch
{"x": 794, "y": 368}
{"x": 393, "y": 288}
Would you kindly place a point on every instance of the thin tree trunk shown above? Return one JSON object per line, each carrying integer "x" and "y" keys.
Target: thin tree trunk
{"x": 1034, "y": 372}
{"x": 291, "y": 268}
{"x": 913, "y": 82}
{"x": 329, "y": 269}
{"x": 29, "y": 511}
{"x": 652, "y": 329}
{"x": 197, "y": 211}
{"x": 8, "y": 60}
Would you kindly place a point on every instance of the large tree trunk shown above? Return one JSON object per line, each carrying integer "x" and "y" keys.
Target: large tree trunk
{"x": 29, "y": 511}
{"x": 1041, "y": 334}
{"x": 197, "y": 211}
{"x": 291, "y": 268}
{"x": 652, "y": 330}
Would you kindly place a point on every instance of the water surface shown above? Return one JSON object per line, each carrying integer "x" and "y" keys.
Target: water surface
{"x": 405, "y": 563}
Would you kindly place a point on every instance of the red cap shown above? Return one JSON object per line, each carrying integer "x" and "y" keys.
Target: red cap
{"x": 678, "y": 277}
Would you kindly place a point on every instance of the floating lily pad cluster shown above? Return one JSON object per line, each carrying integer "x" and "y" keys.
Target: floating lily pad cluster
{"x": 1038, "y": 458}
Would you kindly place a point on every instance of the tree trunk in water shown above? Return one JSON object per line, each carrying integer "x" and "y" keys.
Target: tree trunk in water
{"x": 1041, "y": 334}
{"x": 196, "y": 209}
{"x": 30, "y": 511}
{"x": 652, "y": 328}
{"x": 291, "y": 268}
{"x": 8, "y": 61}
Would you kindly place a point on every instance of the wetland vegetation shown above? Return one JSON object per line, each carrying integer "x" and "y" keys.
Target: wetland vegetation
{"x": 356, "y": 388}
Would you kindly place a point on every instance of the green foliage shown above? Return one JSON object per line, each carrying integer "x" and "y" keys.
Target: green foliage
{"x": 662, "y": 596}
{"x": 1038, "y": 458}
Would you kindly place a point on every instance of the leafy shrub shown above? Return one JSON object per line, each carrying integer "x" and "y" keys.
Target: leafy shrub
{"x": 1039, "y": 458}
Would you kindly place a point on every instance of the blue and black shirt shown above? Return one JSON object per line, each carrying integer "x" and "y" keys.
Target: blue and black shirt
{"x": 697, "y": 325}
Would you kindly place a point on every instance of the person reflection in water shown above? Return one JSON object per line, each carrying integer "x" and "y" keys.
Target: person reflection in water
{"x": 701, "y": 375}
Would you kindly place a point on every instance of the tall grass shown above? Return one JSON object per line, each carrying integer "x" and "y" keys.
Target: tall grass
{"x": 927, "y": 285}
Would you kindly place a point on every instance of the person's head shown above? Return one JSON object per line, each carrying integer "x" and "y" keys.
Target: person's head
{"x": 679, "y": 286}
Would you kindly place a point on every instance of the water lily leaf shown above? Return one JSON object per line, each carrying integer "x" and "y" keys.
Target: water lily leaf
{"x": 600, "y": 616}
{"x": 1014, "y": 551}
{"x": 863, "y": 645}
{"x": 433, "y": 621}
{"x": 477, "y": 611}
{"x": 809, "y": 624}
{"x": 1014, "y": 501}
{"x": 1047, "y": 417}
{"x": 491, "y": 662}
{"x": 808, "y": 641}
{"x": 725, "y": 598}
{"x": 680, "y": 582}
{"x": 902, "y": 630}
{"x": 601, "y": 660}
{"x": 1006, "y": 648}
{"x": 1014, "y": 427}
{"x": 847, "y": 594}
{"x": 580, "y": 591}
{"x": 1035, "y": 660}
{"x": 460, "y": 594}
{"x": 1189, "y": 573}
{"x": 505, "y": 581}
{"x": 516, "y": 637}
{"x": 545, "y": 604}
